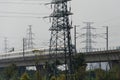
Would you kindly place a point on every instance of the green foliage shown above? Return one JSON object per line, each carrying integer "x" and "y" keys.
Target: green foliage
{"x": 79, "y": 67}
{"x": 38, "y": 75}
{"x": 10, "y": 71}
{"x": 32, "y": 74}
{"x": 53, "y": 78}
{"x": 79, "y": 60}
{"x": 25, "y": 77}
{"x": 60, "y": 77}
{"x": 52, "y": 70}
{"x": 100, "y": 74}
{"x": 114, "y": 73}
{"x": 80, "y": 73}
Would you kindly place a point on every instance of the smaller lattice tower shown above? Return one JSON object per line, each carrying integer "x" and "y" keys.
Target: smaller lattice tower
{"x": 89, "y": 37}
{"x": 29, "y": 41}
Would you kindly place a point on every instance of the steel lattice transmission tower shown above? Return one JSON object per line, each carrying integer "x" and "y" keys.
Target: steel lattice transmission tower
{"x": 30, "y": 43}
{"x": 60, "y": 41}
{"x": 89, "y": 35}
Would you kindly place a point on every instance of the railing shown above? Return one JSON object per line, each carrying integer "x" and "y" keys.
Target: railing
{"x": 99, "y": 49}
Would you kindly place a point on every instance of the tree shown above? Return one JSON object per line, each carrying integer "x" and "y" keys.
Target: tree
{"x": 10, "y": 71}
{"x": 51, "y": 69}
{"x": 38, "y": 75}
{"x": 80, "y": 73}
{"x": 100, "y": 74}
{"x": 79, "y": 67}
{"x": 53, "y": 78}
{"x": 25, "y": 77}
{"x": 78, "y": 61}
{"x": 114, "y": 73}
{"x": 61, "y": 77}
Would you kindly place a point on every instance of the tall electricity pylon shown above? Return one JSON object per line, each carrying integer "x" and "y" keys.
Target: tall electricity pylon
{"x": 89, "y": 35}
{"x": 60, "y": 41}
{"x": 30, "y": 43}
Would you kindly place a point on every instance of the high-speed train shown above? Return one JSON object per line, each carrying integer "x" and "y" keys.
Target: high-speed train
{"x": 16, "y": 54}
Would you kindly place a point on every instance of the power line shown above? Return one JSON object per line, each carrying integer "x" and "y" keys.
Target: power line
{"x": 22, "y": 3}
{"x": 37, "y": 0}
{"x": 22, "y": 13}
{"x": 20, "y": 16}
{"x": 109, "y": 20}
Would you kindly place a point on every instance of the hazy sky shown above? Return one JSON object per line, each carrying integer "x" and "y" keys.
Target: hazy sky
{"x": 16, "y": 15}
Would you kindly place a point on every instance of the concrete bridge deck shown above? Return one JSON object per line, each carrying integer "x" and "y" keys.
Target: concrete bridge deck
{"x": 91, "y": 57}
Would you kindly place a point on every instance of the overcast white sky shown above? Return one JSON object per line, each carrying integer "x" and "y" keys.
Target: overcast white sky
{"x": 16, "y": 15}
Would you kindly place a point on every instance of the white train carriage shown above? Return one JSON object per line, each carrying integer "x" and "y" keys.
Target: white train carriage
{"x": 17, "y": 54}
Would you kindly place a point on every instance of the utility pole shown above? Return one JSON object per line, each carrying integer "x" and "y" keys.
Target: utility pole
{"x": 107, "y": 43}
{"x": 75, "y": 39}
{"x": 106, "y": 37}
{"x": 24, "y": 46}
